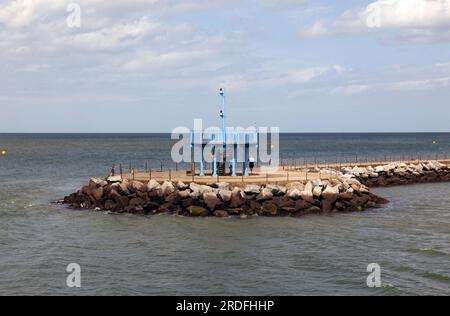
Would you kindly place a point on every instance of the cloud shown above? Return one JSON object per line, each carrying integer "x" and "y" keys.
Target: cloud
{"x": 415, "y": 20}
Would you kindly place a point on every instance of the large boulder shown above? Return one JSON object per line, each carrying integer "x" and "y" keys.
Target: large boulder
{"x": 97, "y": 183}
{"x": 137, "y": 186}
{"x": 294, "y": 194}
{"x": 211, "y": 200}
{"x": 331, "y": 193}
{"x": 317, "y": 191}
{"x": 197, "y": 211}
{"x": 167, "y": 188}
{"x": 266, "y": 194}
{"x": 97, "y": 193}
{"x": 270, "y": 208}
{"x": 225, "y": 195}
{"x": 123, "y": 188}
{"x": 182, "y": 186}
{"x": 153, "y": 185}
{"x": 277, "y": 190}
{"x": 252, "y": 189}
{"x": 307, "y": 193}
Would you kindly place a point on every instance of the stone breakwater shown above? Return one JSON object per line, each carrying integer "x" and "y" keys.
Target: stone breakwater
{"x": 398, "y": 174}
{"x": 349, "y": 192}
{"x": 222, "y": 199}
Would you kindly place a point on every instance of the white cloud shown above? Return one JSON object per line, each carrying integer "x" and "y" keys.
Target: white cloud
{"x": 416, "y": 20}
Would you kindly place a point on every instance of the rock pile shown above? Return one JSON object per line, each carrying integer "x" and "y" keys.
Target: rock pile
{"x": 398, "y": 174}
{"x": 223, "y": 199}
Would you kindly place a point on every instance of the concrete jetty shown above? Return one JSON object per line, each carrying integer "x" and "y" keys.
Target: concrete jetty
{"x": 287, "y": 193}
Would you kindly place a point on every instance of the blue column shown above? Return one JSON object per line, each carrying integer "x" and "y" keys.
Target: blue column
{"x": 202, "y": 162}
{"x": 233, "y": 161}
{"x": 246, "y": 158}
{"x": 215, "y": 162}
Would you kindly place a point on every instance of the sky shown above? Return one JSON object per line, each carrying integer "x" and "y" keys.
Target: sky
{"x": 140, "y": 66}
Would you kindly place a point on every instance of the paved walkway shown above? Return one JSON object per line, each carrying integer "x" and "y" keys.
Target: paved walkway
{"x": 289, "y": 174}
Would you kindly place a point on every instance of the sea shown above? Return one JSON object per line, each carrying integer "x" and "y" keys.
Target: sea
{"x": 408, "y": 239}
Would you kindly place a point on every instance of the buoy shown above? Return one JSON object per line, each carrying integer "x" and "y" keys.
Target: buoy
{"x": 4, "y": 152}
{"x": 434, "y": 142}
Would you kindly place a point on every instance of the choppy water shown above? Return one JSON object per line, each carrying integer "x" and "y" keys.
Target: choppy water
{"x": 121, "y": 254}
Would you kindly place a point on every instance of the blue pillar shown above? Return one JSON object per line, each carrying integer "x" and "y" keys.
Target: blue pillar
{"x": 215, "y": 162}
{"x": 202, "y": 162}
{"x": 246, "y": 158}
{"x": 233, "y": 161}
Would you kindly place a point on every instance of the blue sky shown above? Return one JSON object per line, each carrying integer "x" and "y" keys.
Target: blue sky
{"x": 152, "y": 65}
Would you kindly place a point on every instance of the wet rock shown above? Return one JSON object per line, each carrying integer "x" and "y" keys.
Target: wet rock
{"x": 313, "y": 210}
{"x": 197, "y": 211}
{"x": 110, "y": 205}
{"x": 301, "y": 205}
{"x": 220, "y": 213}
{"x": 270, "y": 208}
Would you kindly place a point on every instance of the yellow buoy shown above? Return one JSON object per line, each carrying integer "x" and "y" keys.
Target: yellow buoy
{"x": 435, "y": 142}
{"x": 4, "y": 152}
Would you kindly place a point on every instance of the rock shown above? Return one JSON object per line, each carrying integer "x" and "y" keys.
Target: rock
{"x": 331, "y": 193}
{"x": 136, "y": 205}
{"x": 197, "y": 211}
{"x": 294, "y": 194}
{"x": 317, "y": 183}
{"x": 266, "y": 194}
{"x": 317, "y": 191}
{"x": 307, "y": 193}
{"x": 182, "y": 186}
{"x": 173, "y": 198}
{"x": 97, "y": 183}
{"x": 301, "y": 205}
{"x": 97, "y": 193}
{"x": 220, "y": 213}
{"x": 201, "y": 189}
{"x": 225, "y": 195}
{"x": 137, "y": 186}
{"x": 110, "y": 205}
{"x": 114, "y": 179}
{"x": 269, "y": 208}
{"x": 123, "y": 188}
{"x": 167, "y": 188}
{"x": 211, "y": 200}
{"x": 153, "y": 185}
{"x": 276, "y": 189}
{"x": 252, "y": 189}
{"x": 223, "y": 186}
{"x": 236, "y": 198}
{"x": 313, "y": 210}
{"x": 168, "y": 208}
{"x": 255, "y": 206}
{"x": 185, "y": 194}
